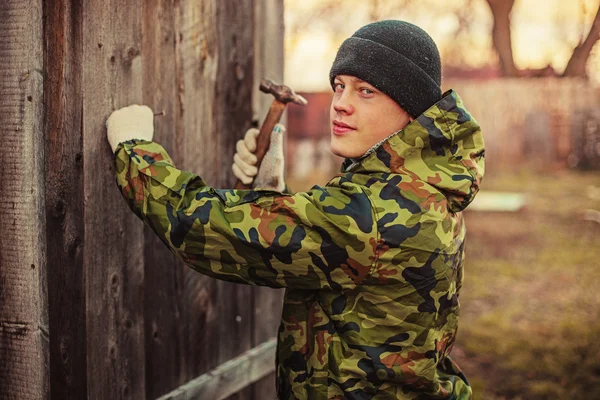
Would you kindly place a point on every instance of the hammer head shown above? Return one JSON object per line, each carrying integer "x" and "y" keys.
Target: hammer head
{"x": 282, "y": 93}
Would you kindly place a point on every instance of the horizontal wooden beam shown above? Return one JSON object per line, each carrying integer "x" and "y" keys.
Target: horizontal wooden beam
{"x": 229, "y": 377}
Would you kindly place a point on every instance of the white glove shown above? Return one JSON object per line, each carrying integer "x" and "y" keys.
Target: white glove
{"x": 270, "y": 175}
{"x": 131, "y": 122}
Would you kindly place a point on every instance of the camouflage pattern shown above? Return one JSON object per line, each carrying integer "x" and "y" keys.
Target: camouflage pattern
{"x": 372, "y": 262}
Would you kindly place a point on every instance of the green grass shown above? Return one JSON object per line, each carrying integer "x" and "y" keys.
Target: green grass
{"x": 530, "y": 324}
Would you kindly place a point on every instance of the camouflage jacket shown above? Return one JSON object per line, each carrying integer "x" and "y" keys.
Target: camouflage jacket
{"x": 372, "y": 261}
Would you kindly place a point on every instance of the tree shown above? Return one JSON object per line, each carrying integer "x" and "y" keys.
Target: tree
{"x": 576, "y": 65}
{"x": 501, "y": 10}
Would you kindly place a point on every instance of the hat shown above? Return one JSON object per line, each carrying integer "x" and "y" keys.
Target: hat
{"x": 396, "y": 57}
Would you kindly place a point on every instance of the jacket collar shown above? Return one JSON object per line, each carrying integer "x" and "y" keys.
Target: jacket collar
{"x": 442, "y": 147}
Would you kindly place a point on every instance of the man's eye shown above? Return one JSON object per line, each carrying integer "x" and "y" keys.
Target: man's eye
{"x": 338, "y": 86}
{"x": 367, "y": 91}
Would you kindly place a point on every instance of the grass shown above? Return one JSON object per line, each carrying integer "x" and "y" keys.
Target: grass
{"x": 530, "y": 326}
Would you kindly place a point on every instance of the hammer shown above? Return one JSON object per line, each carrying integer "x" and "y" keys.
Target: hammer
{"x": 283, "y": 95}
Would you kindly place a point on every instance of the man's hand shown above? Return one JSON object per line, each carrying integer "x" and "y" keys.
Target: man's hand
{"x": 131, "y": 122}
{"x": 270, "y": 175}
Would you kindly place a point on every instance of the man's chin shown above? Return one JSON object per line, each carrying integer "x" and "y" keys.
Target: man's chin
{"x": 334, "y": 148}
{"x": 339, "y": 154}
{"x": 340, "y": 151}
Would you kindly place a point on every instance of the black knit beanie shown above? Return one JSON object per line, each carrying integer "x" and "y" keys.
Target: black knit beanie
{"x": 396, "y": 57}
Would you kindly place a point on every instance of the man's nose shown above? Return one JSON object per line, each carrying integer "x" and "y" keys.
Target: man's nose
{"x": 341, "y": 103}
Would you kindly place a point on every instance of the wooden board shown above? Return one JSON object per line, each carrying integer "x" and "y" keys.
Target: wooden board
{"x": 127, "y": 320}
{"x": 268, "y": 63}
{"x": 113, "y": 245}
{"x": 63, "y": 99}
{"x": 196, "y": 63}
{"x": 229, "y": 377}
{"x": 163, "y": 277}
{"x": 232, "y": 117}
{"x": 24, "y": 348}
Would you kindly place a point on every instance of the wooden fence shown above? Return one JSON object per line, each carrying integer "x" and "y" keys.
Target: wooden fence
{"x": 532, "y": 122}
{"x": 91, "y": 304}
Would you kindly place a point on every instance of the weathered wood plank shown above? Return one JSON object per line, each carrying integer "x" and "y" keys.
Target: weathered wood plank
{"x": 230, "y": 377}
{"x": 268, "y": 51}
{"x": 268, "y": 62}
{"x": 163, "y": 275}
{"x": 63, "y": 99}
{"x": 113, "y": 256}
{"x": 24, "y": 347}
{"x": 197, "y": 148}
{"x": 233, "y": 116}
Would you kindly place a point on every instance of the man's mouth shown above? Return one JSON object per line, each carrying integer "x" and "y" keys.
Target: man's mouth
{"x": 339, "y": 128}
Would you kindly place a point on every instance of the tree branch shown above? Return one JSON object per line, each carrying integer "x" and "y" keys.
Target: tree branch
{"x": 501, "y": 35}
{"x": 576, "y": 65}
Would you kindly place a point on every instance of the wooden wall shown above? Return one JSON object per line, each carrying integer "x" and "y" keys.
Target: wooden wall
{"x": 24, "y": 341}
{"x": 527, "y": 122}
{"x": 92, "y": 305}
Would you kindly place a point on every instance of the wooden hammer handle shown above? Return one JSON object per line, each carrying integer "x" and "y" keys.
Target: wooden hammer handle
{"x": 264, "y": 137}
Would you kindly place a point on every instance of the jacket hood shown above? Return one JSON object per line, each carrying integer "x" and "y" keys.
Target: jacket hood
{"x": 443, "y": 147}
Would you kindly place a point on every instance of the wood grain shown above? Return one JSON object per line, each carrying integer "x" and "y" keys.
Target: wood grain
{"x": 196, "y": 74}
{"x": 229, "y": 377}
{"x": 24, "y": 347}
{"x": 268, "y": 63}
{"x": 163, "y": 277}
{"x": 63, "y": 97}
{"x": 232, "y": 117}
{"x": 127, "y": 320}
{"x": 114, "y": 250}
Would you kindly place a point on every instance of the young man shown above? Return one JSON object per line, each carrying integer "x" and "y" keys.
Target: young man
{"x": 372, "y": 262}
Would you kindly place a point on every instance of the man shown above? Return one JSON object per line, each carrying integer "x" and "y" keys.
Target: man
{"x": 372, "y": 262}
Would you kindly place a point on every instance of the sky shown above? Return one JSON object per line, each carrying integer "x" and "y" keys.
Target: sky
{"x": 543, "y": 32}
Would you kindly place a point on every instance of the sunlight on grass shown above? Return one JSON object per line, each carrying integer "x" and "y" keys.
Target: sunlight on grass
{"x": 531, "y": 302}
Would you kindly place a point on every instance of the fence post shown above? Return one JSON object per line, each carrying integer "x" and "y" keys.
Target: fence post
{"x": 24, "y": 342}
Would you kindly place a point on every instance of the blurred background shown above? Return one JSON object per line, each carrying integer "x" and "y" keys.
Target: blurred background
{"x": 529, "y": 72}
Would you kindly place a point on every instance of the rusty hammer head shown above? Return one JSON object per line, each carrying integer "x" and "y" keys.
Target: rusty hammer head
{"x": 282, "y": 93}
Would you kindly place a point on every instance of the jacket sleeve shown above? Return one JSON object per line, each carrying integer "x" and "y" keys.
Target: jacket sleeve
{"x": 324, "y": 238}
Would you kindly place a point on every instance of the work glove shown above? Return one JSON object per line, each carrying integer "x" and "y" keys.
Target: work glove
{"x": 270, "y": 174}
{"x": 131, "y": 122}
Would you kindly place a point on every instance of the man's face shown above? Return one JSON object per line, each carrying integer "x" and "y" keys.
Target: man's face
{"x": 360, "y": 116}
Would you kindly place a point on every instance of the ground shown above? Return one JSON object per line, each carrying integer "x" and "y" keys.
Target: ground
{"x": 530, "y": 326}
